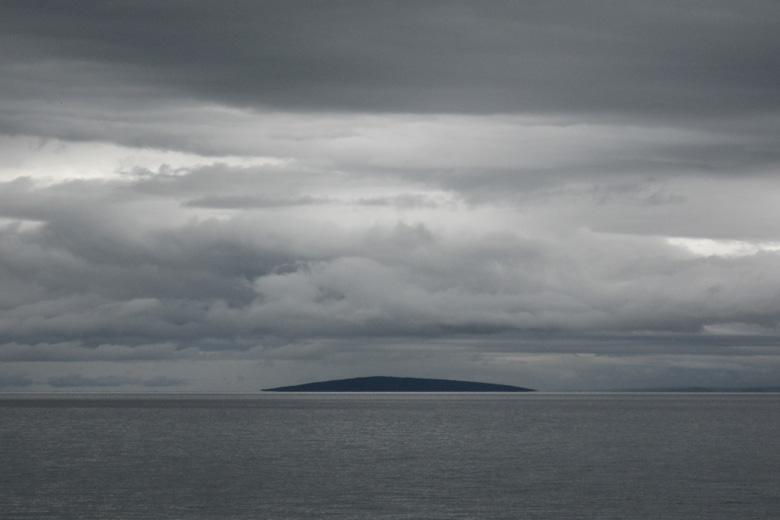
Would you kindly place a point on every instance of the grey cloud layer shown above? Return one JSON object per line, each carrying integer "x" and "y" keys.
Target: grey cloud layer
{"x": 75, "y": 380}
{"x": 651, "y": 58}
{"x": 242, "y": 279}
{"x": 397, "y": 183}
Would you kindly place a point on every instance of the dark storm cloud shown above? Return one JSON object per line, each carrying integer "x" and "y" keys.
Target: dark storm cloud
{"x": 655, "y": 58}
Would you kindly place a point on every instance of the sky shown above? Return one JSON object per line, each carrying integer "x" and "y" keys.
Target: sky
{"x": 201, "y": 196}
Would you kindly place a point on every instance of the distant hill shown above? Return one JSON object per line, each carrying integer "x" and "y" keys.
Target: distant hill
{"x": 397, "y": 384}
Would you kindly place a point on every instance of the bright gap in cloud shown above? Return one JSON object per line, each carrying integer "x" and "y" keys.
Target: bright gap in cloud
{"x": 19, "y": 225}
{"x": 53, "y": 161}
{"x": 726, "y": 248}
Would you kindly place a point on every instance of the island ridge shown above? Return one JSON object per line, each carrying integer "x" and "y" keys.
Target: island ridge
{"x": 397, "y": 384}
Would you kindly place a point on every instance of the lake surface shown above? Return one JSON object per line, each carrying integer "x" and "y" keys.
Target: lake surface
{"x": 391, "y": 456}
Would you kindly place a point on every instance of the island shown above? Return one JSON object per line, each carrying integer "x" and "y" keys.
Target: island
{"x": 397, "y": 384}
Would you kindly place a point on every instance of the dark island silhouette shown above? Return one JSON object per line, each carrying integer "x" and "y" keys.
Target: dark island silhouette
{"x": 397, "y": 384}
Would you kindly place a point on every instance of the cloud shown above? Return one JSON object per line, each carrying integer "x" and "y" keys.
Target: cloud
{"x": 200, "y": 278}
{"x": 283, "y": 79}
{"x": 326, "y": 186}
{"x": 78, "y": 381}
{"x": 14, "y": 381}
{"x": 436, "y": 56}
{"x": 76, "y": 351}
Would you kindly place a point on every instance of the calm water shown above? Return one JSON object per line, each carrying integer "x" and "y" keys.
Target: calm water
{"x": 421, "y": 456}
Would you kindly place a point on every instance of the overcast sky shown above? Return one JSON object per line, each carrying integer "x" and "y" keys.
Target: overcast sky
{"x": 230, "y": 196}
